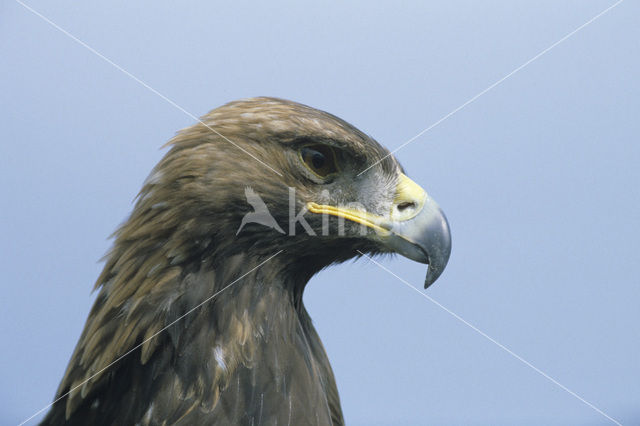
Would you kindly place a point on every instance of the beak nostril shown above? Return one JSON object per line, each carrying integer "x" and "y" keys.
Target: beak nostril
{"x": 405, "y": 205}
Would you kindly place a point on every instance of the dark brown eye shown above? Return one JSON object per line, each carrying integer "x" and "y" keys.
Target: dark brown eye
{"x": 320, "y": 159}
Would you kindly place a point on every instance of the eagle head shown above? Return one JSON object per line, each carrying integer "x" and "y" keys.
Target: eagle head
{"x": 327, "y": 191}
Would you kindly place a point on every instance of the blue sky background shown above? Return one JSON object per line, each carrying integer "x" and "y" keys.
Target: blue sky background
{"x": 539, "y": 178}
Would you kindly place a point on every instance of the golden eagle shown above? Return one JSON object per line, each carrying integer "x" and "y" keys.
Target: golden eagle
{"x": 153, "y": 352}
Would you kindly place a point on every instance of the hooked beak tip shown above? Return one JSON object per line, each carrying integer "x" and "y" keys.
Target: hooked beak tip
{"x": 425, "y": 239}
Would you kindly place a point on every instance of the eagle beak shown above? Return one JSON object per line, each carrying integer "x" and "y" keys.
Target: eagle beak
{"x": 419, "y": 229}
{"x": 416, "y": 227}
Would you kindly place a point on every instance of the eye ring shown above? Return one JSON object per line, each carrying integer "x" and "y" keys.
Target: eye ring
{"x": 319, "y": 159}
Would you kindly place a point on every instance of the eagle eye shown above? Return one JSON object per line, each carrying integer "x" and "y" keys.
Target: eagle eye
{"x": 320, "y": 159}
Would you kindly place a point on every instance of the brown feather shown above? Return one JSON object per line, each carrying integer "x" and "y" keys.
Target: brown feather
{"x": 251, "y": 354}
